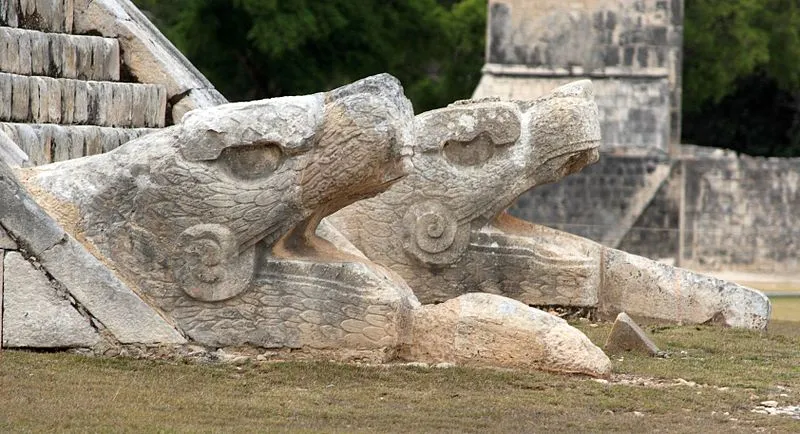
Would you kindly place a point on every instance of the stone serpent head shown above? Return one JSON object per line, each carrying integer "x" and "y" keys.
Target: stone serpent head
{"x": 444, "y": 229}
{"x": 189, "y": 205}
{"x": 471, "y": 161}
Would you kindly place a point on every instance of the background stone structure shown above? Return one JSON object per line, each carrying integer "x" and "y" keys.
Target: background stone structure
{"x": 704, "y": 210}
{"x": 631, "y": 49}
{"x": 701, "y": 208}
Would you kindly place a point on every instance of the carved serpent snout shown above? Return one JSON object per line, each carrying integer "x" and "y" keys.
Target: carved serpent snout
{"x": 265, "y": 169}
{"x": 474, "y": 158}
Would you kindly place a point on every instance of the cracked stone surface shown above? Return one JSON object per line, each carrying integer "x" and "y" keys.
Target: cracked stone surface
{"x": 6, "y": 243}
{"x": 35, "y": 315}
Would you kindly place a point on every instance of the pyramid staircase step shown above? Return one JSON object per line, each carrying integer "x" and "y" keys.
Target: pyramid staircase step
{"x": 68, "y": 101}
{"x": 49, "y": 143}
{"x": 46, "y": 15}
{"x": 58, "y": 55}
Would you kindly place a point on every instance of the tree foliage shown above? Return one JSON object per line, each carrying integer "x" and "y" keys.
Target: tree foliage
{"x": 265, "y": 48}
{"x": 741, "y": 87}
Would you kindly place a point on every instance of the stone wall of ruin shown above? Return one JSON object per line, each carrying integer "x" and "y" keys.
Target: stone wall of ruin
{"x": 630, "y": 48}
{"x": 733, "y": 213}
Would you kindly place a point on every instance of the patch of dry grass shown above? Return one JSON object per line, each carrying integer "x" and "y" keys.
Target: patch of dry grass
{"x": 45, "y": 392}
{"x": 786, "y": 309}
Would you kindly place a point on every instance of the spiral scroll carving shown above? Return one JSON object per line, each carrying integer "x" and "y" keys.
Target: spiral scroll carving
{"x": 207, "y": 265}
{"x": 433, "y": 235}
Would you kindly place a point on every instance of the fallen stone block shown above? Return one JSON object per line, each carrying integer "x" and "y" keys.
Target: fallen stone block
{"x": 627, "y": 336}
{"x": 480, "y": 329}
{"x": 645, "y": 288}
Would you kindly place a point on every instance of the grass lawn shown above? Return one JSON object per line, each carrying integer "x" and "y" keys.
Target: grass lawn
{"x": 710, "y": 383}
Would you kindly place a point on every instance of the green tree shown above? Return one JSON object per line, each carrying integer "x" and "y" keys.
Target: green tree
{"x": 741, "y": 80}
{"x": 256, "y": 49}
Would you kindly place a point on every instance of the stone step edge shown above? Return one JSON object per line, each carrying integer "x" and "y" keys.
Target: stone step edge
{"x": 58, "y": 55}
{"x": 106, "y": 297}
{"x": 57, "y": 16}
{"x": 51, "y": 143}
{"x": 38, "y": 99}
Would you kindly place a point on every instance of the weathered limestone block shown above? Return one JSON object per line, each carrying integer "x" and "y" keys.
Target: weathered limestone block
{"x": 626, "y": 335}
{"x": 10, "y": 153}
{"x": 35, "y": 315}
{"x": 68, "y": 101}
{"x": 30, "y": 52}
{"x": 480, "y": 329}
{"x": 648, "y": 289}
{"x": 50, "y": 143}
{"x": 149, "y": 55}
{"x": 444, "y": 230}
{"x": 94, "y": 285}
{"x": 6, "y": 243}
{"x": 46, "y": 15}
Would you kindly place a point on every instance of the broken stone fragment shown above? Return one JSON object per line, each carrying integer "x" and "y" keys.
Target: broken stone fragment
{"x": 480, "y": 329}
{"x": 626, "y": 335}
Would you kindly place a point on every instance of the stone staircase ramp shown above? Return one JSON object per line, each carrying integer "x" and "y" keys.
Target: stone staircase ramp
{"x": 638, "y": 203}
{"x": 36, "y": 99}
{"x": 62, "y": 95}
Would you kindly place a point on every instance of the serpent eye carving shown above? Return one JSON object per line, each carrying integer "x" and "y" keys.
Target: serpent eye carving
{"x": 253, "y": 161}
{"x": 207, "y": 264}
{"x": 470, "y": 153}
{"x": 433, "y": 235}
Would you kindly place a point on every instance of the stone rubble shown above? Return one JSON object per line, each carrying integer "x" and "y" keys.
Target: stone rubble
{"x": 773, "y": 409}
{"x": 627, "y": 336}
